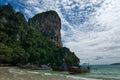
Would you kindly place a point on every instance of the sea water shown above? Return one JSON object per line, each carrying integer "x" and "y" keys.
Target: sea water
{"x": 99, "y": 72}
{"x": 103, "y": 72}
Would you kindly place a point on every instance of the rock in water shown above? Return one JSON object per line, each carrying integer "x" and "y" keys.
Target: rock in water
{"x": 49, "y": 24}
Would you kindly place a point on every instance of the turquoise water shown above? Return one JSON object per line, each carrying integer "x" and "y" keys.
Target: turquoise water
{"x": 106, "y": 72}
{"x": 103, "y": 72}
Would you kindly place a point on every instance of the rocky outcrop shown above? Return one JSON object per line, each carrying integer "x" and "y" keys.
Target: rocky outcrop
{"x": 49, "y": 24}
{"x": 22, "y": 44}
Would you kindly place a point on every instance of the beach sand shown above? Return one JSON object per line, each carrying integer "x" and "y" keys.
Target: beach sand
{"x": 10, "y": 73}
{"x": 13, "y": 73}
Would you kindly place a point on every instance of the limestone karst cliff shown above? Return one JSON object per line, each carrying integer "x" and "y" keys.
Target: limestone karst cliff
{"x": 49, "y": 24}
{"x": 36, "y": 43}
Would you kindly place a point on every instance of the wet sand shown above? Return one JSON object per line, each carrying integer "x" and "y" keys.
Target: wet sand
{"x": 14, "y": 73}
{"x": 10, "y": 73}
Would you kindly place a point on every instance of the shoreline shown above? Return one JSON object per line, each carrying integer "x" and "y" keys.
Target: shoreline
{"x": 14, "y": 73}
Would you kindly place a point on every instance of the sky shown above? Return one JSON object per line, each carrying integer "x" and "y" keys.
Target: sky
{"x": 90, "y": 28}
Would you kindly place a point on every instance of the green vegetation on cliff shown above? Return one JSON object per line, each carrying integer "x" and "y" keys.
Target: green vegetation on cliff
{"x": 22, "y": 44}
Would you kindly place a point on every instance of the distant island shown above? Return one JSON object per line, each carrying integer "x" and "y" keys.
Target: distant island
{"x": 115, "y": 64}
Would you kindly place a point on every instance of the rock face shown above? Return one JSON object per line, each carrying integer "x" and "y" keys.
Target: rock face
{"x": 49, "y": 24}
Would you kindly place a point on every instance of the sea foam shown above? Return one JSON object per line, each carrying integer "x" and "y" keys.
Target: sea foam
{"x": 80, "y": 78}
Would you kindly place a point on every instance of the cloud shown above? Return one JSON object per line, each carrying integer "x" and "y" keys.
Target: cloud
{"x": 98, "y": 58}
{"x": 99, "y": 36}
{"x": 90, "y": 28}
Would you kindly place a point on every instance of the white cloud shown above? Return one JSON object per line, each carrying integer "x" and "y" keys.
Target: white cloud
{"x": 104, "y": 39}
{"x": 28, "y": 12}
{"x": 32, "y": 2}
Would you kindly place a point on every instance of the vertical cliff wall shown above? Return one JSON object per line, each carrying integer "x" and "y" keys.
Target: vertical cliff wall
{"x": 49, "y": 24}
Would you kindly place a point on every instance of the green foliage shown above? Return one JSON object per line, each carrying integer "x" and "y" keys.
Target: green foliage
{"x": 72, "y": 59}
{"x": 3, "y": 37}
{"x": 5, "y": 53}
{"x": 22, "y": 44}
{"x": 19, "y": 56}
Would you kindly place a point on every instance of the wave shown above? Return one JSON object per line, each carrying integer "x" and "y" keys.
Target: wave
{"x": 80, "y": 78}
